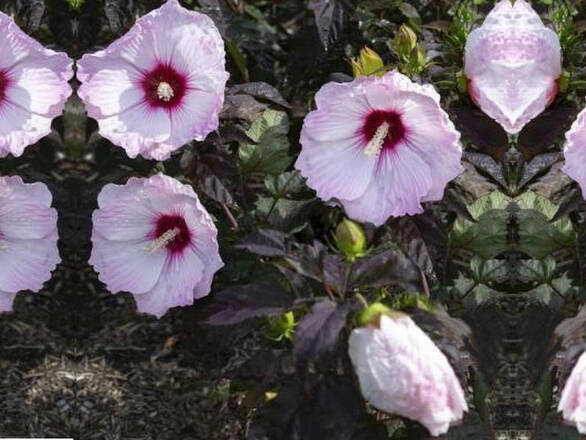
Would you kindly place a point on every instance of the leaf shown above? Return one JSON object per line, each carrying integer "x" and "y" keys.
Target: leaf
{"x": 542, "y": 131}
{"x": 214, "y": 173}
{"x": 572, "y": 202}
{"x": 451, "y": 335}
{"x": 30, "y": 12}
{"x": 333, "y": 413}
{"x": 237, "y": 304}
{"x": 386, "y": 268}
{"x": 332, "y": 409}
{"x": 284, "y": 184}
{"x": 271, "y": 154}
{"x": 424, "y": 239}
{"x": 485, "y": 133}
{"x": 487, "y": 165}
{"x": 538, "y": 165}
{"x": 265, "y": 242}
{"x": 260, "y": 90}
{"x": 330, "y": 16}
{"x": 117, "y": 13}
{"x": 243, "y": 107}
{"x": 455, "y": 203}
{"x": 285, "y": 214}
{"x": 318, "y": 332}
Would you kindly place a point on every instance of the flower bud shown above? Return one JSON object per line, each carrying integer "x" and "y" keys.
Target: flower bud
{"x": 368, "y": 63}
{"x": 405, "y": 41}
{"x": 371, "y": 313}
{"x": 573, "y": 398}
{"x": 350, "y": 239}
{"x": 401, "y": 371}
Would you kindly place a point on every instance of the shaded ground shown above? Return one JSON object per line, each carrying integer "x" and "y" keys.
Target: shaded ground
{"x": 96, "y": 370}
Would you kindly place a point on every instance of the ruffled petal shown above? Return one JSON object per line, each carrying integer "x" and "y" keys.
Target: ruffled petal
{"x": 399, "y": 184}
{"x": 176, "y": 285}
{"x": 126, "y": 265}
{"x": 27, "y": 264}
{"x": 335, "y": 169}
{"x": 196, "y": 116}
{"x": 39, "y": 83}
{"x": 137, "y": 129}
{"x": 26, "y": 220}
{"x": 110, "y": 88}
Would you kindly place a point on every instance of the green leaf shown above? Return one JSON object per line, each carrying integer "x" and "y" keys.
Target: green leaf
{"x": 280, "y": 186}
{"x": 271, "y": 154}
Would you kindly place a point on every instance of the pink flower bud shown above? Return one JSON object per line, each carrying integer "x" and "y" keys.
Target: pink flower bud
{"x": 512, "y": 62}
{"x": 401, "y": 371}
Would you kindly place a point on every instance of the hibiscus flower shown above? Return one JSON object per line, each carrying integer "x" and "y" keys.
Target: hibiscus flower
{"x": 159, "y": 86}
{"x": 154, "y": 239}
{"x": 380, "y": 146}
{"x": 512, "y": 62}
{"x": 33, "y": 88}
{"x": 28, "y": 238}
{"x": 401, "y": 371}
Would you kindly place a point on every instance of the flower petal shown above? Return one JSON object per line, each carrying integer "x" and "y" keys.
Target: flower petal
{"x": 176, "y": 285}
{"x": 39, "y": 83}
{"x": 136, "y": 129}
{"x": 337, "y": 168}
{"x": 126, "y": 265}
{"x": 400, "y": 182}
{"x": 27, "y": 264}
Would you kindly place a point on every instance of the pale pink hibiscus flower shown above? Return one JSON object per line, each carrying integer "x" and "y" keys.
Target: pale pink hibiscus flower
{"x": 33, "y": 88}
{"x": 575, "y": 151}
{"x": 512, "y": 62}
{"x": 159, "y": 86}
{"x": 401, "y": 371}
{"x": 380, "y": 146}
{"x": 573, "y": 399}
{"x": 28, "y": 238}
{"x": 153, "y": 238}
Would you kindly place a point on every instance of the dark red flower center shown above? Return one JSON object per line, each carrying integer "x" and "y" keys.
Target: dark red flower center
{"x": 172, "y": 232}
{"x": 4, "y": 83}
{"x": 383, "y": 128}
{"x": 164, "y": 87}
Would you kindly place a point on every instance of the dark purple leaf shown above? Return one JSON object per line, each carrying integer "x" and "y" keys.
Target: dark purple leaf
{"x": 260, "y": 90}
{"x": 265, "y": 242}
{"x": 237, "y": 304}
{"x": 451, "y": 335}
{"x": 118, "y": 13}
{"x": 424, "y": 238}
{"x": 543, "y": 131}
{"x": 389, "y": 268}
{"x": 486, "y": 134}
{"x": 487, "y": 165}
{"x": 539, "y": 165}
{"x": 318, "y": 332}
{"x": 330, "y": 17}
{"x": 214, "y": 173}
{"x": 30, "y": 12}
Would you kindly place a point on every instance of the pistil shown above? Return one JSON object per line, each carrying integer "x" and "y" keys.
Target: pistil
{"x": 161, "y": 242}
{"x": 165, "y": 91}
{"x": 375, "y": 144}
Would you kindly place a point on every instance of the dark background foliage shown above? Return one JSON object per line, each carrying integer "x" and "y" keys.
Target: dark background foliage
{"x": 489, "y": 272}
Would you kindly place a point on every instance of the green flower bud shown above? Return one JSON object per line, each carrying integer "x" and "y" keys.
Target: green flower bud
{"x": 368, "y": 63}
{"x": 371, "y": 314}
{"x": 405, "y": 41}
{"x": 350, "y": 239}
